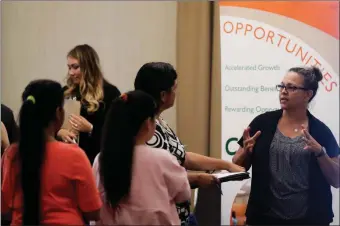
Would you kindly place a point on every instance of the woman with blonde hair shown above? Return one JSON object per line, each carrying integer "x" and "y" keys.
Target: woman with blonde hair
{"x": 85, "y": 83}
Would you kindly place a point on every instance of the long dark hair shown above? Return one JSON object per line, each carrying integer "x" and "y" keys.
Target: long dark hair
{"x": 41, "y": 98}
{"x": 123, "y": 122}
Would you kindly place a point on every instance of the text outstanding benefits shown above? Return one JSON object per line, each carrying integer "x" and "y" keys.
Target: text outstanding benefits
{"x": 254, "y": 89}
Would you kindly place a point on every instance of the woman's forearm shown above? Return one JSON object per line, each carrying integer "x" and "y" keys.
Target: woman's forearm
{"x": 195, "y": 161}
{"x": 330, "y": 169}
{"x": 193, "y": 177}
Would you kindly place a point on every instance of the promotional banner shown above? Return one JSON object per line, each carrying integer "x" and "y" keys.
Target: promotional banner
{"x": 260, "y": 41}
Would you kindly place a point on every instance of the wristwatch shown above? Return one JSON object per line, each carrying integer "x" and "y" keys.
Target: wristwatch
{"x": 321, "y": 153}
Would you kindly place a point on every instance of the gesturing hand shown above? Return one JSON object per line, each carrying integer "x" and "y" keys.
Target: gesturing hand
{"x": 79, "y": 123}
{"x": 249, "y": 142}
{"x": 311, "y": 143}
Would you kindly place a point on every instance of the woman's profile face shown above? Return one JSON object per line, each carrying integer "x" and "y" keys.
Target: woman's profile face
{"x": 74, "y": 71}
{"x": 170, "y": 97}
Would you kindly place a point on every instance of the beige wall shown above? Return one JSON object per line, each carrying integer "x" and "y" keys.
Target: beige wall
{"x": 37, "y": 35}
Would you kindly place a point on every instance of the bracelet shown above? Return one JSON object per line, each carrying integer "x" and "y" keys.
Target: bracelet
{"x": 321, "y": 153}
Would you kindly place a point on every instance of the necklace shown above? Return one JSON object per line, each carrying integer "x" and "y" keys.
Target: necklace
{"x": 297, "y": 130}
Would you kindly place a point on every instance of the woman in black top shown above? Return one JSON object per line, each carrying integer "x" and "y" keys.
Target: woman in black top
{"x": 85, "y": 83}
{"x": 294, "y": 158}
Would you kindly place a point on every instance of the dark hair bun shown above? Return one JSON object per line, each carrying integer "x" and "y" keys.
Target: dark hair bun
{"x": 317, "y": 73}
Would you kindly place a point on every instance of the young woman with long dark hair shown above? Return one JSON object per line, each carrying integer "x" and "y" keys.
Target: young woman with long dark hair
{"x": 45, "y": 181}
{"x": 138, "y": 184}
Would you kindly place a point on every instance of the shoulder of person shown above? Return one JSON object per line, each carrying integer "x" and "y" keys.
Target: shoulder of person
{"x": 164, "y": 155}
{"x": 157, "y": 152}
{"x": 6, "y": 109}
{"x": 276, "y": 114}
{"x": 318, "y": 123}
{"x": 324, "y": 136}
{"x": 263, "y": 119}
{"x": 320, "y": 127}
{"x": 70, "y": 149}
{"x": 110, "y": 89}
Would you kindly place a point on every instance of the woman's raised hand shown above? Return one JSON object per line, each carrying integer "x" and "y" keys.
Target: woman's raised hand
{"x": 249, "y": 142}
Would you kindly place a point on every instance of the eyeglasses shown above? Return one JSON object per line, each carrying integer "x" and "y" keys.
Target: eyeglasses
{"x": 289, "y": 88}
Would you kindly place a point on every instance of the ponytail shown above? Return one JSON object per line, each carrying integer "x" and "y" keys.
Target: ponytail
{"x": 31, "y": 150}
{"x": 123, "y": 122}
{"x": 117, "y": 154}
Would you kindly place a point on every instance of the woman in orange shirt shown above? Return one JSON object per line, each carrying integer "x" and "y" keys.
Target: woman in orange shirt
{"x": 45, "y": 181}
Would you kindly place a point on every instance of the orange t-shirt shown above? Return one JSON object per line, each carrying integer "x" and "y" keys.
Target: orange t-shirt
{"x": 67, "y": 185}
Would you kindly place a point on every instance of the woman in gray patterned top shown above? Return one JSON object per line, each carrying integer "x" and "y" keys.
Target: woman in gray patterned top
{"x": 294, "y": 158}
{"x": 160, "y": 81}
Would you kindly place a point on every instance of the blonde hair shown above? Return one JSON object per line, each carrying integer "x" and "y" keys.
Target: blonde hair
{"x": 91, "y": 83}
